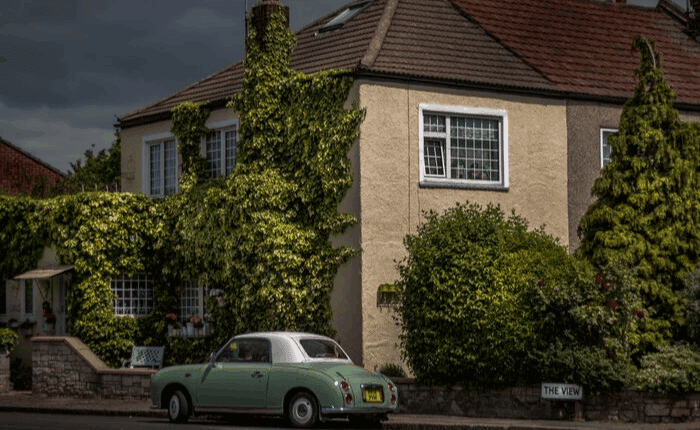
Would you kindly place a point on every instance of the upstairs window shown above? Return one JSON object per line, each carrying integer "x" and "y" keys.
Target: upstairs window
{"x": 463, "y": 147}
{"x": 163, "y": 168}
{"x": 605, "y": 148}
{"x": 220, "y": 152}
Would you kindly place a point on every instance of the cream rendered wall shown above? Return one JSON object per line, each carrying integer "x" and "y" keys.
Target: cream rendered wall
{"x": 391, "y": 199}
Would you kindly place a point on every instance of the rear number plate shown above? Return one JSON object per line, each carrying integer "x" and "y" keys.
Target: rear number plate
{"x": 373, "y": 396}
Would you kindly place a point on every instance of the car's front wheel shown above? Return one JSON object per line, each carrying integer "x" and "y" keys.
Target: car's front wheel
{"x": 302, "y": 410}
{"x": 178, "y": 407}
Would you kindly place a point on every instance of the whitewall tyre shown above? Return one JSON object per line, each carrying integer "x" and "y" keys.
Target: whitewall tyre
{"x": 302, "y": 410}
{"x": 178, "y": 408}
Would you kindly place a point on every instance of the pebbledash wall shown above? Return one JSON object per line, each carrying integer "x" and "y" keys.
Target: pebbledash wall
{"x": 64, "y": 366}
{"x": 527, "y": 403}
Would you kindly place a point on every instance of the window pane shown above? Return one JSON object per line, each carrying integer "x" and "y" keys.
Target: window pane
{"x": 230, "y": 137}
{"x": 189, "y": 301}
{"x": 434, "y": 157}
{"x": 133, "y": 296}
{"x": 606, "y": 149}
{"x": 170, "y": 167}
{"x": 213, "y": 151}
{"x": 320, "y": 348}
{"x": 434, "y": 123}
{"x": 474, "y": 148}
{"x": 155, "y": 169}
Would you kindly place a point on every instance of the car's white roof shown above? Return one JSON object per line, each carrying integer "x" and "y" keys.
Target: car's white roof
{"x": 286, "y": 347}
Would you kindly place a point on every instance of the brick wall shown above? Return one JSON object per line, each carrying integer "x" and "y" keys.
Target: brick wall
{"x": 13, "y": 162}
{"x": 64, "y": 366}
{"x": 526, "y": 403}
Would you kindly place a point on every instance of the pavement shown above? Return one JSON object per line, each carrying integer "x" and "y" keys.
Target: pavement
{"x": 25, "y": 401}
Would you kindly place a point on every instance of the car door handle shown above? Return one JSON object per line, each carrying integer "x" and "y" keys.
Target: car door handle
{"x": 257, "y": 374}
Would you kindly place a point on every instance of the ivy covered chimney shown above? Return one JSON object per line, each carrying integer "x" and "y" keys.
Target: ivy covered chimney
{"x": 260, "y": 17}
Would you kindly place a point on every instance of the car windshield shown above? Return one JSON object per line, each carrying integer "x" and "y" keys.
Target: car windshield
{"x": 321, "y": 348}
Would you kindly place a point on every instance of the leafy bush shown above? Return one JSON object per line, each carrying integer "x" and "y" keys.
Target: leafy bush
{"x": 587, "y": 365}
{"x": 674, "y": 369}
{"x": 465, "y": 302}
{"x": 591, "y": 327}
{"x": 8, "y": 340}
{"x": 392, "y": 370}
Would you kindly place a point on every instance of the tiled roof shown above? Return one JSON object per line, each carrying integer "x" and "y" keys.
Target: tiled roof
{"x": 583, "y": 46}
{"x": 577, "y": 48}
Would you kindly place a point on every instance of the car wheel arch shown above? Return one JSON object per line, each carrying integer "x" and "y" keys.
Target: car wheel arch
{"x": 169, "y": 390}
{"x": 295, "y": 400}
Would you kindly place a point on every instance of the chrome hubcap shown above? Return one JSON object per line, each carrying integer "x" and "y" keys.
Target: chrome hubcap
{"x": 301, "y": 409}
{"x": 174, "y": 406}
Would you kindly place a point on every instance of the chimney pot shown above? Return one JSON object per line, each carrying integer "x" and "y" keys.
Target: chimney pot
{"x": 260, "y": 16}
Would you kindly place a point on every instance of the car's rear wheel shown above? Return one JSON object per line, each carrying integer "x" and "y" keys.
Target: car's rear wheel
{"x": 302, "y": 410}
{"x": 178, "y": 407}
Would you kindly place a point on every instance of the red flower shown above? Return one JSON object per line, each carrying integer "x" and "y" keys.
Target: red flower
{"x": 606, "y": 286}
{"x": 541, "y": 283}
{"x": 598, "y": 279}
{"x": 639, "y": 313}
{"x": 614, "y": 304}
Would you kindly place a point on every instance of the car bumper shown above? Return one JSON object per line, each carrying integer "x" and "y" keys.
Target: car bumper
{"x": 356, "y": 411}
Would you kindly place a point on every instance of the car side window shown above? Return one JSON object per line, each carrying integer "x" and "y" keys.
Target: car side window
{"x": 245, "y": 351}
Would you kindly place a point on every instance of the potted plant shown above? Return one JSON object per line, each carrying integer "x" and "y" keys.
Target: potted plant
{"x": 198, "y": 324}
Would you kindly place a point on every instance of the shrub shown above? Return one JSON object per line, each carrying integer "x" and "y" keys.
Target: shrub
{"x": 8, "y": 340}
{"x": 674, "y": 369}
{"x": 392, "y": 370}
{"x": 590, "y": 325}
{"x": 465, "y": 306}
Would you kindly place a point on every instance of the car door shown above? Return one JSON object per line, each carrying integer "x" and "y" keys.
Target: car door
{"x": 238, "y": 377}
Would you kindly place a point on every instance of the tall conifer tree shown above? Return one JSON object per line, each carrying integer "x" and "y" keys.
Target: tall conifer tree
{"x": 647, "y": 212}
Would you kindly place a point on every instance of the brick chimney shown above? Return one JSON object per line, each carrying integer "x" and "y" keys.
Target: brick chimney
{"x": 260, "y": 16}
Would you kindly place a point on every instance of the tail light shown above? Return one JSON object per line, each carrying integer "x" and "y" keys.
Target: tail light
{"x": 344, "y": 386}
{"x": 391, "y": 387}
{"x": 348, "y": 399}
{"x": 393, "y": 400}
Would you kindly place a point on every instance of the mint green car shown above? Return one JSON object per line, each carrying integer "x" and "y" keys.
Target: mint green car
{"x": 304, "y": 377}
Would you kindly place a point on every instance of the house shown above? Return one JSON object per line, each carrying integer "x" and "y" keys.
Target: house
{"x": 20, "y": 171}
{"x": 34, "y": 304}
{"x": 487, "y": 101}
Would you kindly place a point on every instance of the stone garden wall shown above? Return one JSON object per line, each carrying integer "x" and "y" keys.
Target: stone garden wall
{"x": 5, "y": 384}
{"x": 526, "y": 403}
{"x": 64, "y": 366}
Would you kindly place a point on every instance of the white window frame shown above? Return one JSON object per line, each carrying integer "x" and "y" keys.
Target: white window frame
{"x": 603, "y": 143}
{"x": 191, "y": 301}
{"x": 222, "y": 127}
{"x": 132, "y": 285}
{"x": 158, "y": 139}
{"x": 501, "y": 115}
